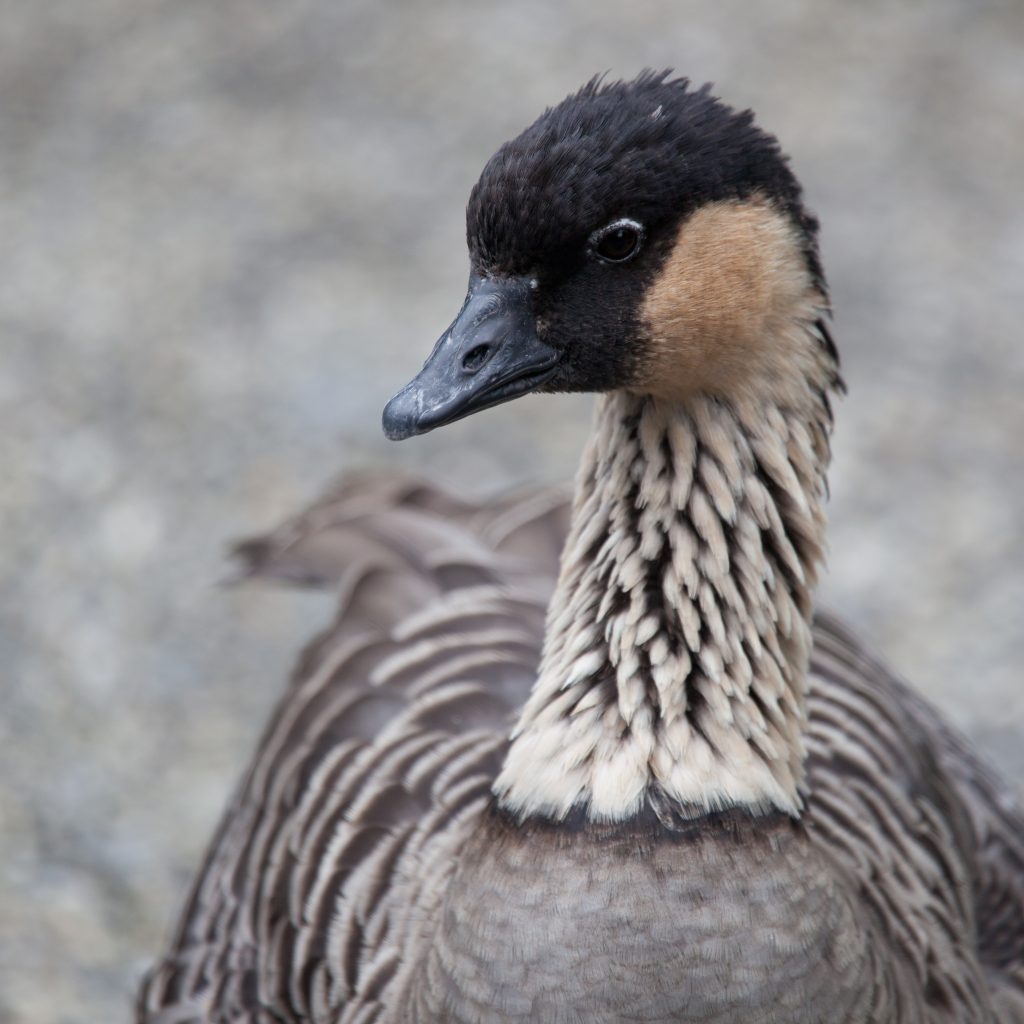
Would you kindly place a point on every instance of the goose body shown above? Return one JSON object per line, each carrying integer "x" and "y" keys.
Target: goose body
{"x": 603, "y": 761}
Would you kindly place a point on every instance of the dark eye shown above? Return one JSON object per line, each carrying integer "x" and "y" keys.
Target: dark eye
{"x": 618, "y": 242}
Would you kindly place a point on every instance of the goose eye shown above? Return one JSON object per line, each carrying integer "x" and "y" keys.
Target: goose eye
{"x": 618, "y": 242}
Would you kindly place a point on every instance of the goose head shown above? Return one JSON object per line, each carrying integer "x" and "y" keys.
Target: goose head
{"x": 639, "y": 235}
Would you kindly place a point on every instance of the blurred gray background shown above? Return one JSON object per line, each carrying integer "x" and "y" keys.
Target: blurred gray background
{"x": 232, "y": 228}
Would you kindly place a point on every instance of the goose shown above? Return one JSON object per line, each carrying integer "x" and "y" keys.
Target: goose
{"x": 602, "y": 760}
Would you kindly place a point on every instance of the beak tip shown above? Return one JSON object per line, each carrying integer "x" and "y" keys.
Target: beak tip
{"x": 399, "y": 419}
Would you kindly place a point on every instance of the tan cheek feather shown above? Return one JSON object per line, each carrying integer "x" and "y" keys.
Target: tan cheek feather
{"x": 722, "y": 316}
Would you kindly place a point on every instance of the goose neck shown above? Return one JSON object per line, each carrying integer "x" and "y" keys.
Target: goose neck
{"x": 674, "y": 668}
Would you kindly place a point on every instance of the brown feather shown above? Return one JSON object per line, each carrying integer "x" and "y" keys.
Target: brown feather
{"x": 327, "y": 876}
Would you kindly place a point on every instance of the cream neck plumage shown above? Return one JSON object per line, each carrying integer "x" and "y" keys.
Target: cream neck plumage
{"x": 678, "y": 638}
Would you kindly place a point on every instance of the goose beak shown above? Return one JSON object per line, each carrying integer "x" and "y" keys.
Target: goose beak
{"x": 490, "y": 354}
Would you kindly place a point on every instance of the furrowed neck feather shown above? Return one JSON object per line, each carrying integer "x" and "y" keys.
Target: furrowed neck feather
{"x": 674, "y": 669}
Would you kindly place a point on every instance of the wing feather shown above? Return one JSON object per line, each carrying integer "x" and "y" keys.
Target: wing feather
{"x": 936, "y": 843}
{"x": 379, "y": 759}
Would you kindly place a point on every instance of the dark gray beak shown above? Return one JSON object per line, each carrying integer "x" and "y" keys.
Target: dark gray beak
{"x": 490, "y": 354}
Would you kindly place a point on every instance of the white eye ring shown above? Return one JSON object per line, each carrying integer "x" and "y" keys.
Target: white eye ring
{"x": 626, "y": 231}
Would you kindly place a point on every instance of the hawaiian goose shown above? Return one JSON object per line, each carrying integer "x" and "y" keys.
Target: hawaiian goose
{"x": 713, "y": 805}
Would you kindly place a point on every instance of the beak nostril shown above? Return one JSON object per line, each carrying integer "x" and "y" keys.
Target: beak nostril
{"x": 475, "y": 358}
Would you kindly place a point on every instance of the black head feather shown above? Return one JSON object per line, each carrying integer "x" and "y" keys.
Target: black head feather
{"x": 575, "y": 243}
{"x": 652, "y": 148}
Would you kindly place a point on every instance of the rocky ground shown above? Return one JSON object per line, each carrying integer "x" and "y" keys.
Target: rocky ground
{"x": 232, "y": 229}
